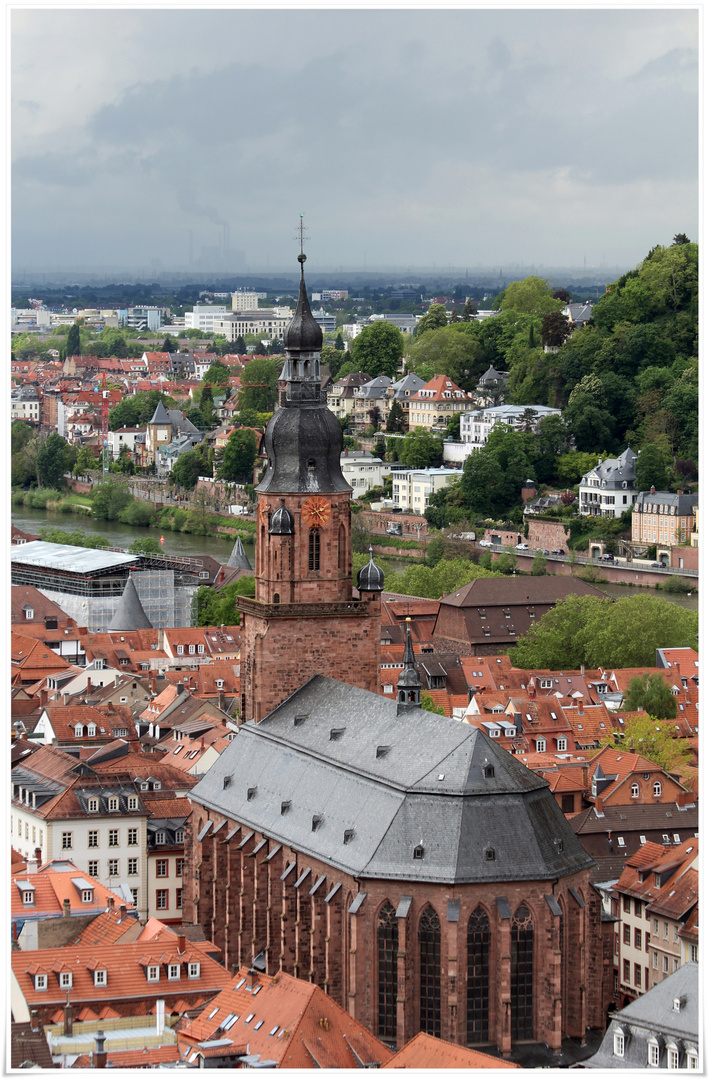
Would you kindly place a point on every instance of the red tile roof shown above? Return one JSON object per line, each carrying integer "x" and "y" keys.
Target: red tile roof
{"x": 285, "y": 1020}
{"x": 426, "y": 1052}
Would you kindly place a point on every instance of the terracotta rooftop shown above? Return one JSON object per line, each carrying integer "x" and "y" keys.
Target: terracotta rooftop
{"x": 426, "y": 1052}
{"x": 285, "y": 1020}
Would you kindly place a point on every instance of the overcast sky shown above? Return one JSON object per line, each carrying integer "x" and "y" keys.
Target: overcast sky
{"x": 463, "y": 137}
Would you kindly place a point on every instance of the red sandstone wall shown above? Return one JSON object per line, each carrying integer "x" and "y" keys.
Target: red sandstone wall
{"x": 547, "y": 534}
{"x": 242, "y": 904}
{"x": 279, "y": 655}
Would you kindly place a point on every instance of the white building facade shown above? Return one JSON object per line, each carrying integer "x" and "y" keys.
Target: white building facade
{"x": 477, "y": 424}
{"x": 412, "y": 490}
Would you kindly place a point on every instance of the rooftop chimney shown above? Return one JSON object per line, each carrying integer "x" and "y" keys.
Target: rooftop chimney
{"x": 100, "y": 1053}
{"x": 34, "y": 1021}
{"x": 43, "y": 696}
{"x": 66, "y": 909}
{"x": 181, "y": 943}
{"x": 110, "y": 901}
{"x": 121, "y": 912}
{"x": 68, "y": 1017}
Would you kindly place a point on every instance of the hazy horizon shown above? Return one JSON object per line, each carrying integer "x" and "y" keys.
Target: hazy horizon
{"x": 189, "y": 141}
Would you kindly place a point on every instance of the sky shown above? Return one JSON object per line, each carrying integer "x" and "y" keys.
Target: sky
{"x": 180, "y": 138}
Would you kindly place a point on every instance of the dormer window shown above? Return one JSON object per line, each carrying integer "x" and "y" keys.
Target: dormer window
{"x": 153, "y": 973}
{"x": 93, "y": 805}
{"x": 157, "y": 784}
{"x": 87, "y": 895}
{"x": 180, "y": 650}
{"x": 489, "y": 772}
{"x": 193, "y": 970}
{"x": 65, "y": 979}
{"x": 220, "y": 684}
{"x": 113, "y": 803}
{"x": 192, "y": 650}
{"x": 173, "y": 971}
{"x": 132, "y": 802}
{"x": 179, "y": 836}
{"x": 40, "y": 982}
{"x": 91, "y": 731}
{"x": 29, "y": 613}
{"x": 200, "y": 649}
{"x": 489, "y": 854}
{"x": 78, "y": 731}
{"x": 28, "y": 897}
{"x": 418, "y": 852}
{"x": 160, "y": 837}
{"x": 100, "y": 978}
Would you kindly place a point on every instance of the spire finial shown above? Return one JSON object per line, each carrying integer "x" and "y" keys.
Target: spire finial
{"x": 301, "y": 237}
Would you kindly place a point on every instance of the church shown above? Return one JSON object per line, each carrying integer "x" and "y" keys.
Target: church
{"x": 419, "y": 874}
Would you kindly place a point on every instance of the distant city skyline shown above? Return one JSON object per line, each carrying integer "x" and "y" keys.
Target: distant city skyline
{"x": 413, "y": 141}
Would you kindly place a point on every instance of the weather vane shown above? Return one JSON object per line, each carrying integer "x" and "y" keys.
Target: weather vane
{"x": 301, "y": 238}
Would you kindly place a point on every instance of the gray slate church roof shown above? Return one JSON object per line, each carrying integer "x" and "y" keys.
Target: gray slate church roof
{"x": 359, "y": 787}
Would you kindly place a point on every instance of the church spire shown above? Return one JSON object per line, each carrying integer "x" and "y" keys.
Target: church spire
{"x": 409, "y": 686}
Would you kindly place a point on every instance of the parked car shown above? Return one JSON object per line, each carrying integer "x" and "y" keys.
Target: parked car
{"x": 659, "y": 565}
{"x": 557, "y": 551}
{"x": 607, "y": 558}
{"x": 485, "y": 543}
{"x": 521, "y": 547}
{"x": 541, "y": 551}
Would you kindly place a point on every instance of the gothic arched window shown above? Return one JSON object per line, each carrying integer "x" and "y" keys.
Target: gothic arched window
{"x": 521, "y": 974}
{"x": 387, "y": 947}
{"x": 430, "y": 972}
{"x": 478, "y": 951}
{"x": 563, "y": 975}
{"x": 341, "y": 549}
{"x": 314, "y": 549}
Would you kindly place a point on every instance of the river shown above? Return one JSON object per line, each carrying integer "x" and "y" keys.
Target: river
{"x": 176, "y": 543}
{"x": 122, "y": 536}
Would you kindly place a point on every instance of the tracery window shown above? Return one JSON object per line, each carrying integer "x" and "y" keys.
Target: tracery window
{"x": 430, "y": 973}
{"x": 387, "y": 946}
{"x": 478, "y": 957}
{"x": 521, "y": 974}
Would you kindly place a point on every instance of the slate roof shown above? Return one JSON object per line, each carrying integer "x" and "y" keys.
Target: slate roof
{"x": 239, "y": 558}
{"x": 396, "y": 782}
{"x": 160, "y": 416}
{"x": 652, "y": 1014}
{"x": 129, "y": 613}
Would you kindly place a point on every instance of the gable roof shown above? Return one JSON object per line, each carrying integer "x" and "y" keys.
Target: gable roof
{"x": 426, "y": 1052}
{"x": 281, "y": 1020}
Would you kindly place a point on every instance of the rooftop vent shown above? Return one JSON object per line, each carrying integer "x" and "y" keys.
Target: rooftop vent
{"x": 382, "y": 751}
{"x": 285, "y": 806}
{"x": 418, "y": 852}
{"x": 348, "y": 835}
{"x": 300, "y": 718}
{"x": 251, "y": 792}
{"x": 336, "y": 733}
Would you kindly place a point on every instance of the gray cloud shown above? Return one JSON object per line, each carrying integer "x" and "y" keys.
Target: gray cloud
{"x": 418, "y": 130}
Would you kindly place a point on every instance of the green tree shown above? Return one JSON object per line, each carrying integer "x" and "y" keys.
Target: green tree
{"x": 427, "y": 703}
{"x": 109, "y": 498}
{"x": 605, "y": 633}
{"x": 532, "y": 296}
{"x": 654, "y": 740}
{"x": 555, "y": 328}
{"x": 653, "y": 695}
{"x": 217, "y": 374}
{"x": 218, "y": 607}
{"x": 170, "y": 344}
{"x": 377, "y": 350}
{"x": 434, "y": 319}
{"x": 653, "y": 468}
{"x": 186, "y": 470}
{"x": 73, "y": 345}
{"x": 539, "y": 565}
{"x": 209, "y": 416}
{"x": 240, "y": 346}
{"x": 450, "y": 350}
{"x": 53, "y": 459}
{"x": 259, "y": 382}
{"x": 494, "y": 475}
{"x": 420, "y": 449}
{"x": 20, "y": 435}
{"x": 395, "y": 418}
{"x": 239, "y": 454}
{"x": 146, "y": 545}
{"x": 573, "y": 465}
{"x": 86, "y": 462}
{"x": 339, "y": 343}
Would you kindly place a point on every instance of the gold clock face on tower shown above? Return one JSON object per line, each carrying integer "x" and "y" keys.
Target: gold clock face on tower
{"x": 316, "y": 511}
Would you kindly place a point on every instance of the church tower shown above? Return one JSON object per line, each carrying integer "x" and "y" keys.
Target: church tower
{"x": 305, "y": 619}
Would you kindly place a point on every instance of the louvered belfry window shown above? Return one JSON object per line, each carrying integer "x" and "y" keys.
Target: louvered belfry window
{"x": 314, "y": 549}
{"x": 387, "y": 946}
{"x": 430, "y": 973}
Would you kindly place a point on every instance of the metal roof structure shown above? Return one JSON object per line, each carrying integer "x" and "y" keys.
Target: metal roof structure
{"x": 70, "y": 559}
{"x": 336, "y": 773}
